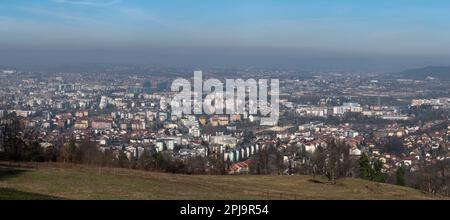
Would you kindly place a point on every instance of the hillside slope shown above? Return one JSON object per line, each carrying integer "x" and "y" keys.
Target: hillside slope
{"x": 79, "y": 182}
{"x": 440, "y": 72}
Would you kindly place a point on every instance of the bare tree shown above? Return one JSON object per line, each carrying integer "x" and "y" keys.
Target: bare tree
{"x": 331, "y": 160}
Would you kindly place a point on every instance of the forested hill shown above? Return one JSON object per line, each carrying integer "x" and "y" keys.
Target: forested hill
{"x": 438, "y": 72}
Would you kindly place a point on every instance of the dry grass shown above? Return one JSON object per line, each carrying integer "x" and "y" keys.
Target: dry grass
{"x": 82, "y": 182}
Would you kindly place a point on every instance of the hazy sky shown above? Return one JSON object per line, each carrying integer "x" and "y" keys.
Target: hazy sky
{"x": 101, "y": 30}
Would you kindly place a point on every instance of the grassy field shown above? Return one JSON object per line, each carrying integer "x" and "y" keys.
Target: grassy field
{"x": 58, "y": 181}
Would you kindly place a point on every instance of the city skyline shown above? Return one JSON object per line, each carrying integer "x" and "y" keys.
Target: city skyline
{"x": 204, "y": 100}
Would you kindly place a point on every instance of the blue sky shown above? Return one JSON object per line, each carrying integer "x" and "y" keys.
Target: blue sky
{"x": 392, "y": 27}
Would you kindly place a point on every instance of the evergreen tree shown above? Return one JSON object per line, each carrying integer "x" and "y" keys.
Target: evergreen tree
{"x": 364, "y": 167}
{"x": 72, "y": 150}
{"x": 377, "y": 174}
{"x": 400, "y": 176}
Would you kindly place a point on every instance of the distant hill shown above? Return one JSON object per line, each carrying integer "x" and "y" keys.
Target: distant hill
{"x": 60, "y": 181}
{"x": 438, "y": 72}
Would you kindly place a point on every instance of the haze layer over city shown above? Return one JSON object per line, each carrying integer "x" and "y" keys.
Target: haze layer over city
{"x": 351, "y": 35}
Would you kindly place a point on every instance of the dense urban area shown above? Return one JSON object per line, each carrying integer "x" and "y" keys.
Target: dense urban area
{"x": 382, "y": 127}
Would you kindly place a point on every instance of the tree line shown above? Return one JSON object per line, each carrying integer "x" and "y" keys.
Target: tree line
{"x": 21, "y": 146}
{"x": 333, "y": 161}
